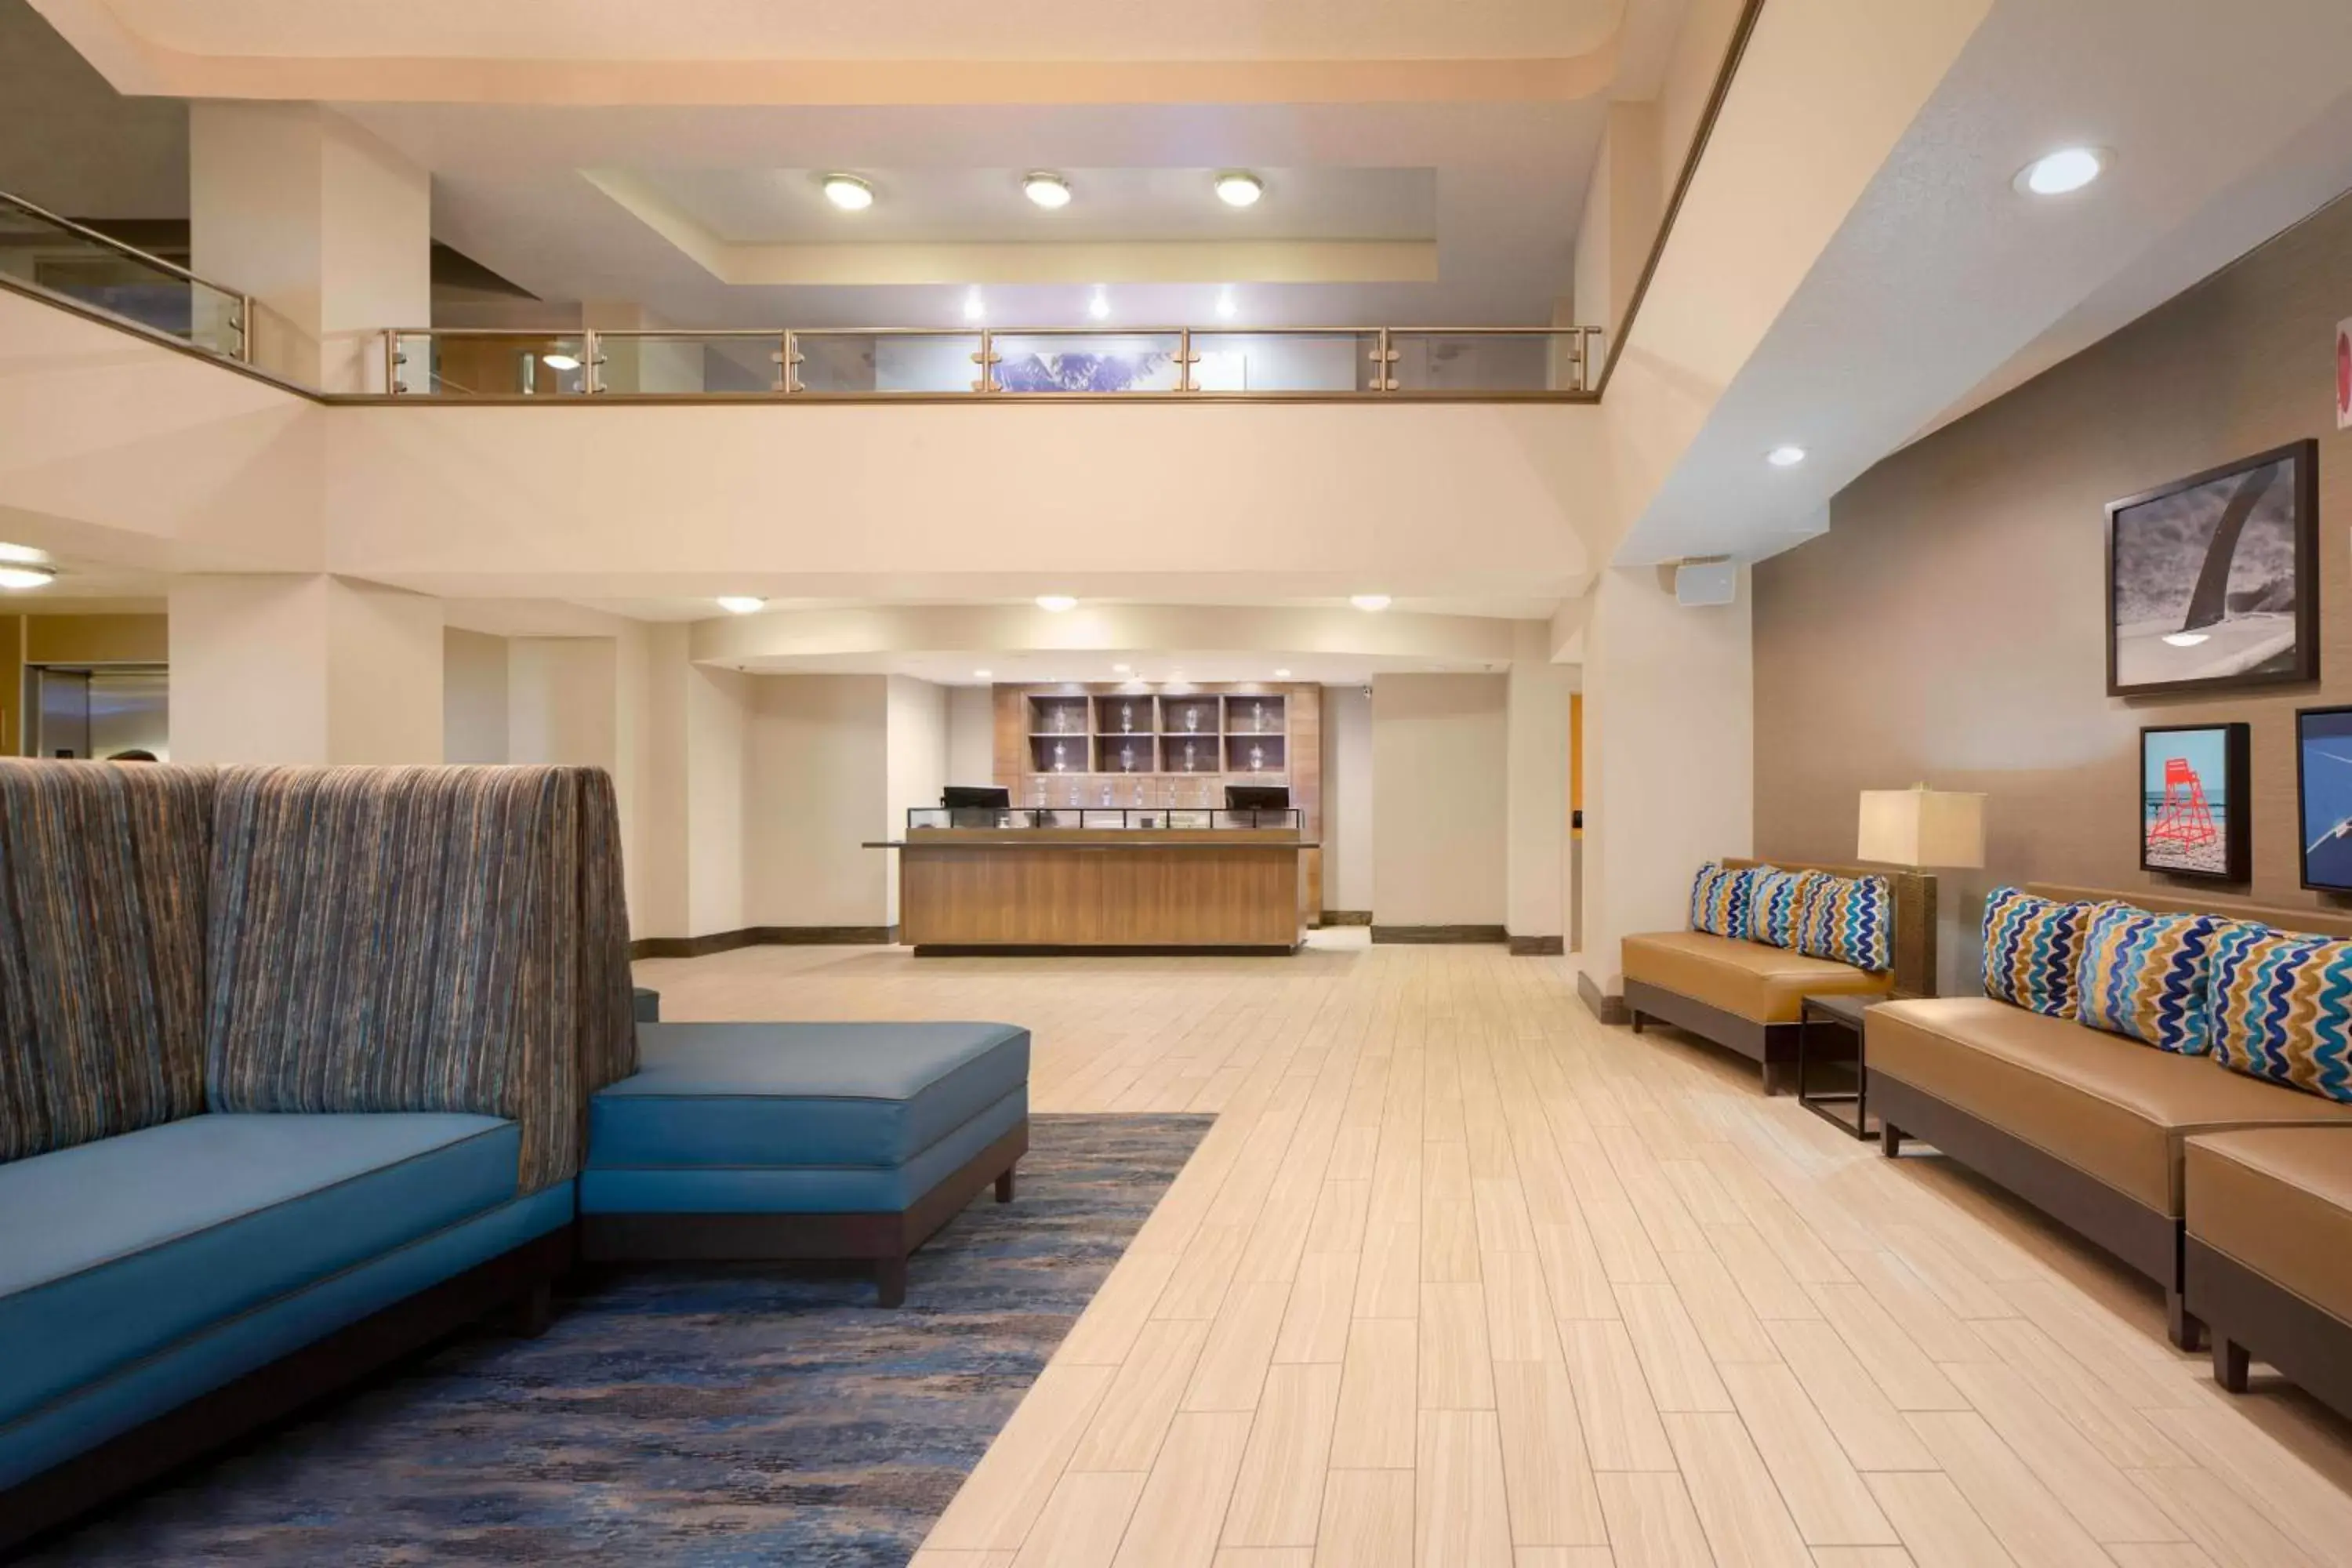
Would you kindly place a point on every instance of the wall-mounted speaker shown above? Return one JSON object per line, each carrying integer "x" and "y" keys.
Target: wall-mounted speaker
{"x": 1706, "y": 582}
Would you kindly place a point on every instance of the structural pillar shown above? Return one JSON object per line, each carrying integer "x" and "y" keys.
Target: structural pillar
{"x": 1669, "y": 757}
{"x": 1536, "y": 807}
{"x": 301, "y": 669}
{"x": 327, "y": 230}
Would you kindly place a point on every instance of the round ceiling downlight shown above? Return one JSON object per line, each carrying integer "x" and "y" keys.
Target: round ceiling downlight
{"x": 1239, "y": 188}
{"x": 1048, "y": 191}
{"x": 2068, "y": 169}
{"x": 848, "y": 192}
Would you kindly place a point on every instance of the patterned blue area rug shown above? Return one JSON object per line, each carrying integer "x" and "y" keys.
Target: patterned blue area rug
{"x": 694, "y": 1416}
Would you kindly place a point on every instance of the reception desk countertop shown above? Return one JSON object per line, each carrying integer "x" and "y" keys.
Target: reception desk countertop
{"x": 1066, "y": 890}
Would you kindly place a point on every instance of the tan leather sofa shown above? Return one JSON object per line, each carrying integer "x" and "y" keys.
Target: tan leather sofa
{"x": 1744, "y": 996}
{"x": 2090, "y": 1128}
{"x": 2269, "y": 1254}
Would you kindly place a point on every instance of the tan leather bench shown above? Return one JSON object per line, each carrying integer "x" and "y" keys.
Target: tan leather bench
{"x": 1744, "y": 996}
{"x": 2269, "y": 1254}
{"x": 2090, "y": 1128}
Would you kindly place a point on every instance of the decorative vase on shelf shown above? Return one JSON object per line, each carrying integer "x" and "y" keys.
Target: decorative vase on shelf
{"x": 1192, "y": 719}
{"x": 1061, "y": 762}
{"x": 1126, "y": 717}
{"x": 1127, "y": 759}
{"x": 1258, "y": 759}
{"x": 1258, "y": 719}
{"x": 1188, "y": 756}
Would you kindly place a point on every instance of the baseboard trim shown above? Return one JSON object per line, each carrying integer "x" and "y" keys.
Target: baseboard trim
{"x": 1607, "y": 1008}
{"x": 762, "y": 936}
{"x": 1433, "y": 934}
{"x": 1538, "y": 947}
{"x": 1347, "y": 917}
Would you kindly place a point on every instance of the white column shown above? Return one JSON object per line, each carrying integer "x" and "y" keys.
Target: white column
{"x": 329, "y": 230}
{"x": 284, "y": 669}
{"x": 1669, "y": 755}
{"x": 1537, "y": 809}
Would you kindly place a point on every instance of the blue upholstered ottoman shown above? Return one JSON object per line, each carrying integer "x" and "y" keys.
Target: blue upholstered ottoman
{"x": 766, "y": 1141}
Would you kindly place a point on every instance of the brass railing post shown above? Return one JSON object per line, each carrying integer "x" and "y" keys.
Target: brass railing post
{"x": 1184, "y": 360}
{"x": 391, "y": 361}
{"x": 788, "y": 360}
{"x": 986, "y": 385}
{"x": 591, "y": 362}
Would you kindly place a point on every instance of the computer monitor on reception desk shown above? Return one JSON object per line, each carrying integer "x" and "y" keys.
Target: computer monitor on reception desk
{"x": 1257, "y": 797}
{"x": 984, "y": 796}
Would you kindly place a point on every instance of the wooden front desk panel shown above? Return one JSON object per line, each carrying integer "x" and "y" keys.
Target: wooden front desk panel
{"x": 1109, "y": 889}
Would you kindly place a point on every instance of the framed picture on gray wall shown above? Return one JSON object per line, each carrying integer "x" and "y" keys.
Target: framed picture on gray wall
{"x": 2214, "y": 580}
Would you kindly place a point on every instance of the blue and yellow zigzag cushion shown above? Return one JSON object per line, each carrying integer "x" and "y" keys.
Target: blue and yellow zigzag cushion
{"x": 2032, "y": 946}
{"x": 2283, "y": 1008}
{"x": 1775, "y": 904}
{"x": 1852, "y": 920}
{"x": 2148, "y": 976}
{"x": 1719, "y": 900}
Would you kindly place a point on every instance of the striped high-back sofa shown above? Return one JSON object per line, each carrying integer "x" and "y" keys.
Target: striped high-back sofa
{"x": 295, "y": 1065}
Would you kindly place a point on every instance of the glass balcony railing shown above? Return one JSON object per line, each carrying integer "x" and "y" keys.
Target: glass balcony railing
{"x": 1010, "y": 363}
{"x": 94, "y": 271}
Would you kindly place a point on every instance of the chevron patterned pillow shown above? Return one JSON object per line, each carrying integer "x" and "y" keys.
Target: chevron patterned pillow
{"x": 2030, "y": 947}
{"x": 1851, "y": 921}
{"x": 2147, "y": 976}
{"x": 1719, "y": 900}
{"x": 1775, "y": 904}
{"x": 2283, "y": 1008}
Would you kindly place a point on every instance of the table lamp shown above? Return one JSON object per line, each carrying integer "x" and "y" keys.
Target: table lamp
{"x": 1919, "y": 828}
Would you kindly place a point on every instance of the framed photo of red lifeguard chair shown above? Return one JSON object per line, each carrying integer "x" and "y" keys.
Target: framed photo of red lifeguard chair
{"x": 2195, "y": 815}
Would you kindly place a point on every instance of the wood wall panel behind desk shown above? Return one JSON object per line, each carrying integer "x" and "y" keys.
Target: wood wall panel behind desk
{"x": 1074, "y": 895}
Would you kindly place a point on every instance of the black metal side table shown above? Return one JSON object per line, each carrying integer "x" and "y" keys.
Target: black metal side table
{"x": 1835, "y": 1015}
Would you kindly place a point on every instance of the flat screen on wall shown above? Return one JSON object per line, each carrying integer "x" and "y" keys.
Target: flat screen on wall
{"x": 2323, "y": 754}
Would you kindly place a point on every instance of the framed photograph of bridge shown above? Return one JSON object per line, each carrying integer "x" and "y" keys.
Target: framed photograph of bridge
{"x": 2195, "y": 815}
{"x": 2214, "y": 580}
{"x": 2323, "y": 793}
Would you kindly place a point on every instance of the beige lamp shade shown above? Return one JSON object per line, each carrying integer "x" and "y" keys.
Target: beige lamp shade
{"x": 1922, "y": 826}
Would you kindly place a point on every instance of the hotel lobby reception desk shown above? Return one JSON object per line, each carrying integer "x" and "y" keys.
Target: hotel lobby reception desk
{"x": 980, "y": 889}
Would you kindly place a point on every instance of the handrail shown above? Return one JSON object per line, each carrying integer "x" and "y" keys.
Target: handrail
{"x": 238, "y": 323}
{"x": 1576, "y": 378}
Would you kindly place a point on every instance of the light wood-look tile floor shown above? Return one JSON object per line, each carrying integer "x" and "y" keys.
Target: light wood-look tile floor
{"x": 1461, "y": 1276}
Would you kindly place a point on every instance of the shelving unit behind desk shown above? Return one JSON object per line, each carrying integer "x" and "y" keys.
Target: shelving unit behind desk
{"x": 1076, "y": 746}
{"x": 1115, "y": 880}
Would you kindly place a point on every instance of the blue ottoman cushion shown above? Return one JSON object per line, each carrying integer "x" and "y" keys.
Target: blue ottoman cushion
{"x": 770, "y": 1096}
{"x": 112, "y": 1251}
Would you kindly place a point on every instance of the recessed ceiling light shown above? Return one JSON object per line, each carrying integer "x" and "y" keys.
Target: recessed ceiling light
{"x": 560, "y": 361}
{"x": 1370, "y": 601}
{"x": 2068, "y": 169}
{"x": 1282, "y": 675}
{"x": 1240, "y": 189}
{"x": 1785, "y": 457}
{"x": 979, "y": 674}
{"x": 848, "y": 192}
{"x": 739, "y": 603}
{"x": 973, "y": 310}
{"x": 27, "y": 576}
{"x": 1099, "y": 306}
{"x": 1048, "y": 191}
{"x": 23, "y": 552}
{"x": 1225, "y": 304}
{"x": 1055, "y": 604}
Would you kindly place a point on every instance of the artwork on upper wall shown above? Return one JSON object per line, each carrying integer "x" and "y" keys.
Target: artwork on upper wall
{"x": 2323, "y": 767}
{"x": 2194, "y": 811}
{"x": 2214, "y": 580}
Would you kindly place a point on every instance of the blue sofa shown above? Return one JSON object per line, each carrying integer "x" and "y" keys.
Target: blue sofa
{"x": 780, "y": 1140}
{"x": 293, "y": 1069}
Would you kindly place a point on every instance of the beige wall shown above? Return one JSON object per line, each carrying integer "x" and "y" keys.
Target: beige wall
{"x": 718, "y": 765}
{"x": 1950, "y": 627}
{"x": 819, "y": 778}
{"x": 473, "y": 697}
{"x": 972, "y": 735}
{"x": 915, "y": 740}
{"x": 284, "y": 669}
{"x": 1347, "y": 850}
{"x": 1440, "y": 764}
{"x": 563, "y": 702}
{"x": 1536, "y": 862}
{"x": 1669, "y": 752}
